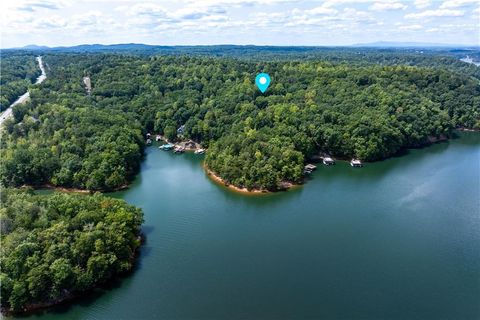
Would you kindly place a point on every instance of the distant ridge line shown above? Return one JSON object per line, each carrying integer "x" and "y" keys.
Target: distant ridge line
{"x": 130, "y": 46}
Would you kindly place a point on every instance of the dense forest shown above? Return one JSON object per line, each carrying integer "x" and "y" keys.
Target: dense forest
{"x": 358, "y": 55}
{"x": 367, "y": 107}
{"x": 56, "y": 246}
{"x": 18, "y": 72}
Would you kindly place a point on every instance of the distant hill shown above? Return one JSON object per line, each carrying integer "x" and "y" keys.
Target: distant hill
{"x": 221, "y": 49}
{"x": 103, "y": 47}
{"x": 360, "y": 52}
{"x": 34, "y": 47}
{"x": 390, "y": 44}
{"x": 142, "y": 47}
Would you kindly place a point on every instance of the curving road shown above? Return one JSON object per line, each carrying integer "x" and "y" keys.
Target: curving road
{"x": 8, "y": 112}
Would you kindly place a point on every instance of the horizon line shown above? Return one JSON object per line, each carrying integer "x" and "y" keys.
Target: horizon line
{"x": 367, "y": 44}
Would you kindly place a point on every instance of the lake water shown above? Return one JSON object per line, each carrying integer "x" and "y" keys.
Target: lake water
{"x": 397, "y": 239}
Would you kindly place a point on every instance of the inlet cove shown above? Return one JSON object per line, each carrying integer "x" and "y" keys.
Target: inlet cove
{"x": 373, "y": 242}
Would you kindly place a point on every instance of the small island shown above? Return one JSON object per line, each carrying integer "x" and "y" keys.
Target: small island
{"x": 58, "y": 246}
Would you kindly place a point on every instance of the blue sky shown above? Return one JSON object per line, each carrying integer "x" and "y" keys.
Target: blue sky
{"x": 259, "y": 22}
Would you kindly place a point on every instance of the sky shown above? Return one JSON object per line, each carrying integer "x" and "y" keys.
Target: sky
{"x": 258, "y": 22}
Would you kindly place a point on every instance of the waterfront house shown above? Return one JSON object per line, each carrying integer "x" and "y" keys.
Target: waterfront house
{"x": 181, "y": 129}
{"x": 190, "y": 144}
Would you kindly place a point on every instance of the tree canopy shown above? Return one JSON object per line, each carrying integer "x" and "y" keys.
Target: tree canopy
{"x": 56, "y": 246}
{"x": 19, "y": 70}
{"x": 367, "y": 107}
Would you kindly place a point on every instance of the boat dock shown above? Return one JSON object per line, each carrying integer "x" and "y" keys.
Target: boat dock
{"x": 328, "y": 161}
{"x": 179, "y": 149}
{"x": 166, "y": 147}
{"x": 309, "y": 168}
{"x": 356, "y": 163}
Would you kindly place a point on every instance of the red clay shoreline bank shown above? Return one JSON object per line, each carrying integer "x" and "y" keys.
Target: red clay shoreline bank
{"x": 219, "y": 180}
{"x": 74, "y": 190}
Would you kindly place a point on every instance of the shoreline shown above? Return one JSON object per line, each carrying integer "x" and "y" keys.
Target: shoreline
{"x": 463, "y": 129}
{"x": 73, "y": 190}
{"x": 288, "y": 185}
{"x": 219, "y": 180}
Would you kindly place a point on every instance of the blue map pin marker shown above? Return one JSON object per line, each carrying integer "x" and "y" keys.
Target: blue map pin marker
{"x": 262, "y": 80}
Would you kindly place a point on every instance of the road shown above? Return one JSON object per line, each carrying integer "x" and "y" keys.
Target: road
{"x": 24, "y": 97}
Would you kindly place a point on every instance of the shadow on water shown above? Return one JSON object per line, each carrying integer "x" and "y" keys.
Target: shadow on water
{"x": 144, "y": 252}
{"x": 467, "y": 138}
{"x": 263, "y": 199}
{"x": 342, "y": 171}
{"x": 147, "y": 229}
{"x": 89, "y": 298}
{"x": 376, "y": 170}
{"x": 371, "y": 171}
{"x": 86, "y": 300}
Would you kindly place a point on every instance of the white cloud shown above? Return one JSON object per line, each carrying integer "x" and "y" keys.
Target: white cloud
{"x": 459, "y": 26}
{"x": 144, "y": 9}
{"x": 33, "y": 5}
{"x": 235, "y": 3}
{"x": 36, "y": 5}
{"x": 283, "y": 22}
{"x": 457, "y": 3}
{"x": 355, "y": 15}
{"x": 384, "y": 6}
{"x": 93, "y": 21}
{"x": 52, "y": 22}
{"x": 333, "y": 3}
{"x": 422, "y": 4}
{"x": 321, "y": 10}
{"x": 319, "y": 16}
{"x": 410, "y": 27}
{"x": 435, "y": 13}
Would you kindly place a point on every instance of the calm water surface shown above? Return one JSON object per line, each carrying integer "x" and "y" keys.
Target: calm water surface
{"x": 398, "y": 239}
